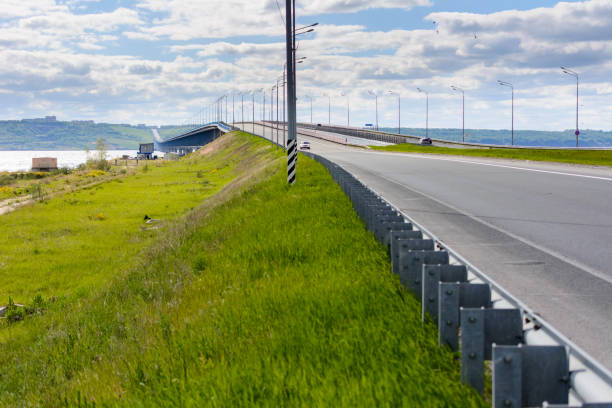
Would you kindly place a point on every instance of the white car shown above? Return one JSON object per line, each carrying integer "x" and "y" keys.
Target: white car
{"x": 304, "y": 145}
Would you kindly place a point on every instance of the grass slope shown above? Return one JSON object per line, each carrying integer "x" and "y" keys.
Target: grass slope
{"x": 590, "y": 157}
{"x": 265, "y": 295}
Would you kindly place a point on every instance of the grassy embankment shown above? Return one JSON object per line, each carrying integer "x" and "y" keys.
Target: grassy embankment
{"x": 231, "y": 305}
{"x": 590, "y": 157}
{"x": 40, "y": 185}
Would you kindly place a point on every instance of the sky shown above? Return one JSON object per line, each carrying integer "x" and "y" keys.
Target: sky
{"x": 166, "y": 61}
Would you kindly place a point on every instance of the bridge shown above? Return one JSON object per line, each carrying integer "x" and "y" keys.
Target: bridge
{"x": 192, "y": 139}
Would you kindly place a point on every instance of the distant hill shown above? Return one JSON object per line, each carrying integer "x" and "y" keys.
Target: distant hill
{"x": 565, "y": 138}
{"x": 50, "y": 134}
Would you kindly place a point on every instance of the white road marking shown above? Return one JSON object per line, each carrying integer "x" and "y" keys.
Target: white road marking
{"x": 547, "y": 251}
{"x": 501, "y": 165}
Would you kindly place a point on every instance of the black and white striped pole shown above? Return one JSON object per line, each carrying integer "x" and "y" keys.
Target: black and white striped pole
{"x": 291, "y": 110}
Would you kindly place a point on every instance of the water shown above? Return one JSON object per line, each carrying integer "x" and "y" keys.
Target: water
{"x": 21, "y": 160}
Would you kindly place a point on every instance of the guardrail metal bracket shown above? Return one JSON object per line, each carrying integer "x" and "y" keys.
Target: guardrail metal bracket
{"x": 480, "y": 328}
{"x": 395, "y": 239}
{"x": 529, "y": 375}
{"x": 432, "y": 275}
{"x": 451, "y": 297}
{"x": 412, "y": 255}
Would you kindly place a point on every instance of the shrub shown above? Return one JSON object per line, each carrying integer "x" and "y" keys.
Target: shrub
{"x": 14, "y": 313}
{"x": 96, "y": 173}
{"x": 36, "y": 191}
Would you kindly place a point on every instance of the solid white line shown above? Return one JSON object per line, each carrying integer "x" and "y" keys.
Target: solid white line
{"x": 550, "y": 252}
{"x": 500, "y": 165}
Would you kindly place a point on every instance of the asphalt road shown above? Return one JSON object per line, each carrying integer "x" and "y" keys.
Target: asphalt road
{"x": 541, "y": 230}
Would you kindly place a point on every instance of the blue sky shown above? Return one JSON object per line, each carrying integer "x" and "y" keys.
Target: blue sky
{"x": 166, "y": 61}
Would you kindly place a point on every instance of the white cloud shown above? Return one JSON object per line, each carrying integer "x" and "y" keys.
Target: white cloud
{"x": 352, "y": 6}
{"x": 47, "y": 56}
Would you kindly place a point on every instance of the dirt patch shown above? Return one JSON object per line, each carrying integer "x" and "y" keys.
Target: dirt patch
{"x": 216, "y": 145}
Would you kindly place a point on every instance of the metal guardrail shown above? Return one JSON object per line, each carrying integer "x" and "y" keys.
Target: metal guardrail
{"x": 533, "y": 364}
{"x": 361, "y": 133}
{"x": 397, "y": 138}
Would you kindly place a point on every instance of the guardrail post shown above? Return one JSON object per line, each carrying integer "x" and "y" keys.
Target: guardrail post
{"x": 451, "y": 297}
{"x": 432, "y": 275}
{"x": 530, "y": 375}
{"x": 480, "y": 328}
{"x": 473, "y": 347}
{"x": 411, "y": 262}
{"x": 385, "y": 231}
{"x": 397, "y": 237}
{"x": 448, "y": 315}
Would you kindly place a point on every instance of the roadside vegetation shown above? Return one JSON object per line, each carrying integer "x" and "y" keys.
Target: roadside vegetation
{"x": 589, "y": 157}
{"x": 249, "y": 292}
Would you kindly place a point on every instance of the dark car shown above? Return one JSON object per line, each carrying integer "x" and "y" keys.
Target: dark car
{"x": 425, "y": 141}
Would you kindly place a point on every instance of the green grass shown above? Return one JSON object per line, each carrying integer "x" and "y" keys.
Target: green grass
{"x": 264, "y": 295}
{"x": 57, "y": 246}
{"x": 591, "y": 157}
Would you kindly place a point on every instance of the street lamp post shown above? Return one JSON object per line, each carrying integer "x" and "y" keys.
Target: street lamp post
{"x": 575, "y": 75}
{"x": 348, "y": 110}
{"x": 509, "y": 85}
{"x": 242, "y": 109}
{"x": 277, "y": 112}
{"x": 310, "y": 97}
{"x": 455, "y": 88}
{"x": 399, "y": 111}
{"x": 253, "y": 117}
{"x": 375, "y": 96}
{"x": 328, "y": 109}
{"x": 426, "y": 111}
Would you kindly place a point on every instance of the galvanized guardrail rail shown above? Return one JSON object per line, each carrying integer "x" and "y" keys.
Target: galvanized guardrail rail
{"x": 361, "y": 133}
{"x": 532, "y": 363}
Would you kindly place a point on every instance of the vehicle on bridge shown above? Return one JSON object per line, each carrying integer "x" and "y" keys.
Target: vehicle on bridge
{"x": 304, "y": 145}
{"x": 425, "y": 141}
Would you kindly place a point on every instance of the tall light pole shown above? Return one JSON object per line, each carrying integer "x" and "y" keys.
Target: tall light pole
{"x": 348, "y": 110}
{"x": 426, "y": 111}
{"x": 509, "y": 85}
{"x": 328, "y": 109}
{"x": 310, "y": 97}
{"x": 284, "y": 84}
{"x": 575, "y": 75}
{"x": 253, "y": 118}
{"x": 290, "y": 51}
{"x": 455, "y": 88}
{"x": 242, "y": 108}
{"x": 272, "y": 114}
{"x": 375, "y": 96}
{"x": 277, "y": 124}
{"x": 399, "y": 111}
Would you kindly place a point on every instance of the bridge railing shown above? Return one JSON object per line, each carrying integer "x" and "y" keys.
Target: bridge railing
{"x": 361, "y": 133}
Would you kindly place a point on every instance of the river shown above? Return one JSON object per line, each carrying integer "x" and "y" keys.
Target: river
{"x": 21, "y": 160}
